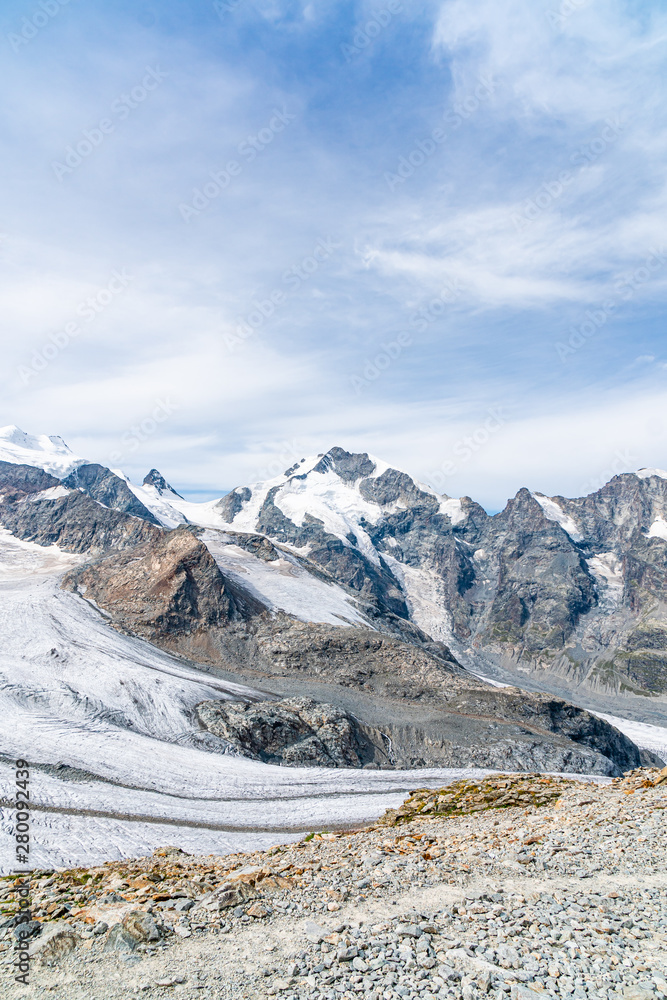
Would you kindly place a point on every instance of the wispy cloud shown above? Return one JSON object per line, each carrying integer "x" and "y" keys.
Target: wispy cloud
{"x": 488, "y": 212}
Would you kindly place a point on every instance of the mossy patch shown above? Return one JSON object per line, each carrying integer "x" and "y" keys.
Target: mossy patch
{"x": 465, "y": 796}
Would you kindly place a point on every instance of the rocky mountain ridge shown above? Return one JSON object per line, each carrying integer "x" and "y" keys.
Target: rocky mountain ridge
{"x": 572, "y": 589}
{"x": 348, "y": 582}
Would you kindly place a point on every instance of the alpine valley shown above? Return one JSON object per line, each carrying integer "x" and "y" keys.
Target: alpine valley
{"x": 301, "y": 652}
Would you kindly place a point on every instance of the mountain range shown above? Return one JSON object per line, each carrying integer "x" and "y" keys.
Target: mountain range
{"x": 572, "y": 590}
{"x": 345, "y": 614}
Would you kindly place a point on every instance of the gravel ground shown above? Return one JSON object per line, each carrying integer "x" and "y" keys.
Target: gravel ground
{"x": 563, "y": 899}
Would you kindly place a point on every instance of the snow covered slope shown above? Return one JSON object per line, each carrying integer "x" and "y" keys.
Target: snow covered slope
{"x": 284, "y": 584}
{"x": 48, "y": 453}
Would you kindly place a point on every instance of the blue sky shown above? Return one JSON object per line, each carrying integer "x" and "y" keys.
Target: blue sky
{"x": 437, "y": 233}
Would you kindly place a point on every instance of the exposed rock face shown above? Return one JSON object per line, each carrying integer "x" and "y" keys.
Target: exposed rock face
{"x": 295, "y": 731}
{"x": 347, "y": 466}
{"x": 553, "y": 715}
{"x": 542, "y": 584}
{"x": 354, "y": 657}
{"x": 104, "y": 486}
{"x": 171, "y": 585}
{"x": 232, "y": 504}
{"x": 73, "y": 521}
{"x": 415, "y": 709}
{"x": 19, "y": 481}
{"x": 301, "y": 732}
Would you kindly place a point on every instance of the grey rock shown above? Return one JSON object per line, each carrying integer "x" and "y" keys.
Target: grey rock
{"x": 27, "y": 929}
{"x": 54, "y": 943}
{"x": 75, "y": 522}
{"x": 109, "y": 489}
{"x": 231, "y": 504}
{"x": 294, "y": 731}
{"x": 120, "y": 939}
{"x": 140, "y": 926}
{"x": 19, "y": 481}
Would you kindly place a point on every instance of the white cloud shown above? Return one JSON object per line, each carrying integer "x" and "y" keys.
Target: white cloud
{"x": 453, "y": 222}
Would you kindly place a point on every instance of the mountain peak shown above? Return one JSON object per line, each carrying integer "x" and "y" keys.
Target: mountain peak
{"x": 157, "y": 480}
{"x": 39, "y": 450}
{"x": 348, "y": 466}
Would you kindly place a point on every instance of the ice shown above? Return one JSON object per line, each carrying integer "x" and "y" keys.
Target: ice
{"x": 426, "y": 598}
{"x": 48, "y": 453}
{"x": 658, "y": 529}
{"x": 646, "y": 737}
{"x": 284, "y": 584}
{"x": 556, "y": 513}
{"x": 607, "y": 569}
{"x": 453, "y": 509}
{"x": 53, "y": 493}
{"x": 647, "y": 473}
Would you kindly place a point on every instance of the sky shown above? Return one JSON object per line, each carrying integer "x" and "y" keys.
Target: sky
{"x": 235, "y": 233}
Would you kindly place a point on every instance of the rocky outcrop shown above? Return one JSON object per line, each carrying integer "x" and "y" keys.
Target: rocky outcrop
{"x": 300, "y": 732}
{"x": 348, "y": 466}
{"x": 542, "y": 584}
{"x": 393, "y": 486}
{"x": 295, "y": 731}
{"x": 169, "y": 586}
{"x": 552, "y": 715}
{"x": 109, "y": 489}
{"x": 231, "y": 504}
{"x": 74, "y": 522}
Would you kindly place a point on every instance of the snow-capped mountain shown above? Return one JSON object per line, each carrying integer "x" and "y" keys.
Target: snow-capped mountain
{"x": 48, "y": 453}
{"x": 342, "y": 580}
{"x": 561, "y": 591}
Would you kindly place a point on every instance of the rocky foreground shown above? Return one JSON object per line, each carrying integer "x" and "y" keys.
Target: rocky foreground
{"x": 516, "y": 886}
